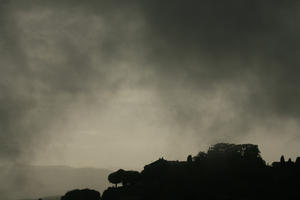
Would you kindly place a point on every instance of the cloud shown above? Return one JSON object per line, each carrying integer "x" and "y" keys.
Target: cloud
{"x": 207, "y": 46}
{"x": 51, "y": 57}
{"x": 215, "y": 71}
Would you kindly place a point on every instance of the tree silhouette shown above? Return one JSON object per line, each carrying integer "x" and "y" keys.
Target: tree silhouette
{"x": 200, "y": 156}
{"x": 124, "y": 177}
{"x": 116, "y": 177}
{"x": 130, "y": 177}
{"x": 297, "y": 161}
{"x": 282, "y": 161}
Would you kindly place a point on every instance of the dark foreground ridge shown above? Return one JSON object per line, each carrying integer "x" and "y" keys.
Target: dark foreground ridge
{"x": 225, "y": 171}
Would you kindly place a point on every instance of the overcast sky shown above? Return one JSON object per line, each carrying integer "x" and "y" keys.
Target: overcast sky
{"x": 118, "y": 84}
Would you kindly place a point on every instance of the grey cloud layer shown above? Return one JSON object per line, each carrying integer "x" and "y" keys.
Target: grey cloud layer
{"x": 51, "y": 56}
{"x": 221, "y": 69}
{"x": 244, "y": 52}
{"x": 208, "y": 42}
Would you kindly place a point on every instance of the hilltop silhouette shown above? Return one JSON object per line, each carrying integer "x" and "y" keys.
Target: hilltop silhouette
{"x": 225, "y": 171}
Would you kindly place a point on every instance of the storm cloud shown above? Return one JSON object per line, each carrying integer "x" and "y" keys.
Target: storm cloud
{"x": 141, "y": 79}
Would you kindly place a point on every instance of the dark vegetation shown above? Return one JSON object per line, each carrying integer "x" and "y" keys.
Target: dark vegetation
{"x": 85, "y": 194}
{"x": 225, "y": 171}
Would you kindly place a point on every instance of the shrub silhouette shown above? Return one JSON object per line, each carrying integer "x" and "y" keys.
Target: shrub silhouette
{"x": 85, "y": 194}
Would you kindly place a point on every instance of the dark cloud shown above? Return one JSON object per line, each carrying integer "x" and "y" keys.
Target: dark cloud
{"x": 217, "y": 69}
{"x": 51, "y": 56}
{"x": 206, "y": 44}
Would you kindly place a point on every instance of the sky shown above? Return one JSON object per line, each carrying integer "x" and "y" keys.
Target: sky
{"x": 119, "y": 84}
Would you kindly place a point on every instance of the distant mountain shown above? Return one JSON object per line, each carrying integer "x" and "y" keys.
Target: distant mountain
{"x": 47, "y": 198}
{"x": 33, "y": 182}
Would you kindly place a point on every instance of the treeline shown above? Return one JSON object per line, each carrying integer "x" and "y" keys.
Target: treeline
{"x": 225, "y": 171}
